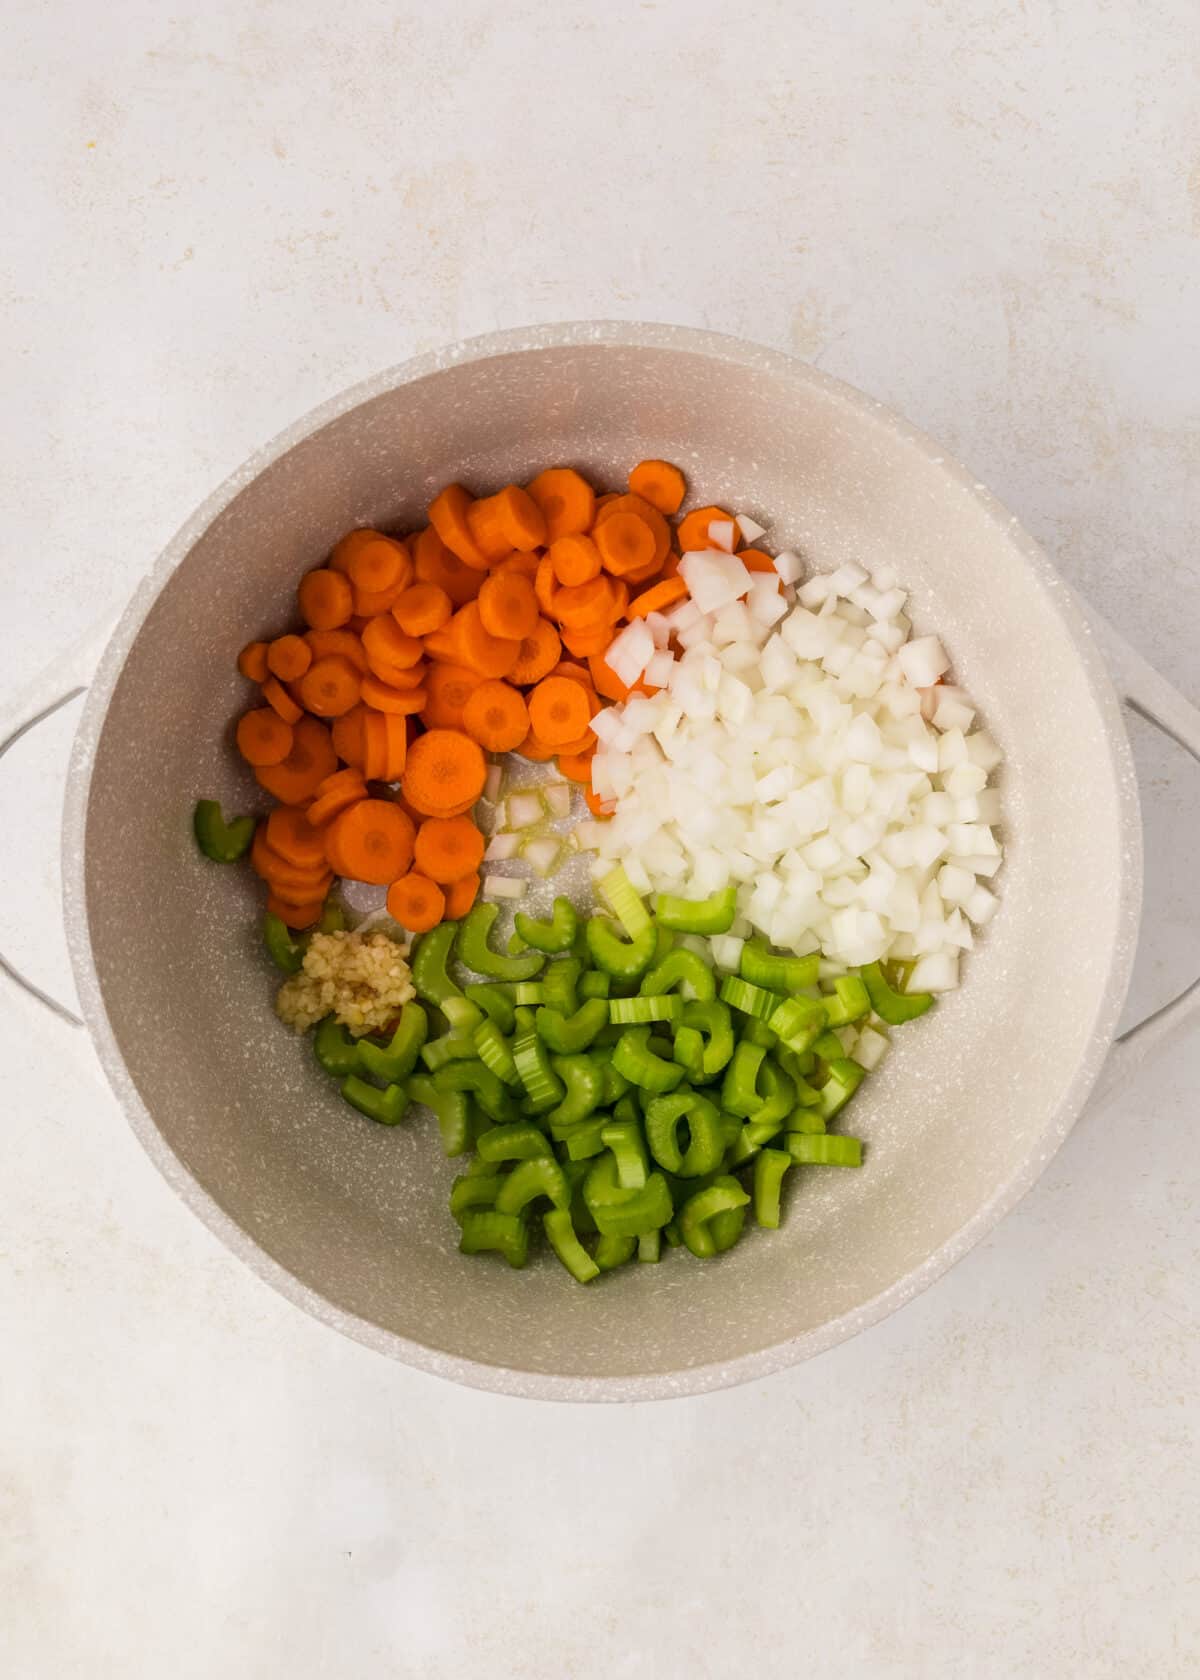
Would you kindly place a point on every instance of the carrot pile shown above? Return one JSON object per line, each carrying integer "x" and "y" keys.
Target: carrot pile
{"x": 485, "y": 632}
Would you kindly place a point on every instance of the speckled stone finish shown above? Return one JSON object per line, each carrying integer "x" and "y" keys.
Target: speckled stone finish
{"x": 349, "y": 1219}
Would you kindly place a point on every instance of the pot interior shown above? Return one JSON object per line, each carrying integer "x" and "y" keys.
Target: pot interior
{"x": 357, "y": 1213}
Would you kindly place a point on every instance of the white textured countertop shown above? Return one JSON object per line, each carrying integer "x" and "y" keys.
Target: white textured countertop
{"x": 987, "y": 214}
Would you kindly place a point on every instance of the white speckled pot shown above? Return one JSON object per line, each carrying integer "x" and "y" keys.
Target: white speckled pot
{"x": 349, "y": 1219}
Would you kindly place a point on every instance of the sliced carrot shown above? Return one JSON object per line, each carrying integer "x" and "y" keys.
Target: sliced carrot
{"x": 252, "y": 661}
{"x": 448, "y": 688}
{"x": 584, "y": 743}
{"x": 398, "y": 701}
{"x": 279, "y": 700}
{"x": 692, "y": 530}
{"x": 288, "y": 657}
{"x": 659, "y": 483}
{"x": 658, "y": 599}
{"x": 385, "y": 746}
{"x": 325, "y": 598}
{"x": 371, "y": 841}
{"x": 445, "y": 767}
{"x": 348, "y": 740}
{"x": 400, "y": 676}
{"x": 577, "y": 767}
{"x": 644, "y": 510}
{"x": 545, "y": 585}
{"x": 587, "y": 606}
{"x": 447, "y": 848}
{"x": 348, "y": 546}
{"x": 567, "y": 501}
{"x": 300, "y": 883}
{"x": 489, "y": 529}
{"x": 538, "y": 656}
{"x": 435, "y": 563}
{"x": 335, "y": 794}
{"x": 525, "y": 565}
{"x": 602, "y": 502}
{"x": 378, "y": 566}
{"x": 263, "y": 737}
{"x": 295, "y": 915}
{"x": 508, "y": 606}
{"x": 448, "y": 515}
{"x": 491, "y": 656}
{"x": 330, "y": 686}
{"x": 296, "y": 778}
{"x": 416, "y": 902}
{"x": 445, "y": 645}
{"x": 344, "y": 642}
{"x": 533, "y": 747}
{"x": 558, "y": 710}
{"x": 370, "y": 603}
{"x": 626, "y": 543}
{"x": 607, "y": 682}
{"x": 403, "y": 698}
{"x": 597, "y": 806}
{"x": 460, "y": 896}
{"x": 388, "y": 648}
{"x": 575, "y": 559}
{"x": 756, "y": 561}
{"x": 509, "y": 519}
{"x": 290, "y": 833}
{"x": 422, "y": 607}
{"x": 584, "y": 643}
{"x": 496, "y": 716}
{"x": 577, "y": 673}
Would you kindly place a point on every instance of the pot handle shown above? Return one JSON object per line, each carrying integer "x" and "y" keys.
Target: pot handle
{"x": 64, "y": 680}
{"x": 1151, "y": 696}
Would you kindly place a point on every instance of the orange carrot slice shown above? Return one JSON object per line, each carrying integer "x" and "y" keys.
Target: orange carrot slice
{"x": 288, "y": 657}
{"x": 296, "y": 778}
{"x": 421, "y": 608}
{"x": 474, "y": 644}
{"x": 659, "y": 483}
{"x": 692, "y": 530}
{"x": 447, "y": 848}
{"x": 445, "y": 767}
{"x": 416, "y": 902}
{"x": 567, "y": 501}
{"x": 325, "y": 598}
{"x": 295, "y": 916}
{"x": 558, "y": 710}
{"x": 330, "y": 686}
{"x": 343, "y": 642}
{"x": 371, "y": 841}
{"x": 279, "y": 700}
{"x": 460, "y": 896}
{"x": 435, "y": 563}
{"x": 448, "y": 516}
{"x": 337, "y": 792}
{"x": 508, "y": 606}
{"x": 252, "y": 661}
{"x": 263, "y": 737}
{"x": 575, "y": 559}
{"x": 402, "y": 698}
{"x": 496, "y": 716}
{"x": 448, "y": 688}
{"x": 577, "y": 767}
{"x": 626, "y": 543}
{"x": 538, "y": 656}
{"x": 658, "y": 599}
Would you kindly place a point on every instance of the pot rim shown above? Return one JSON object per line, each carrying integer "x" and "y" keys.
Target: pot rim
{"x": 693, "y": 1379}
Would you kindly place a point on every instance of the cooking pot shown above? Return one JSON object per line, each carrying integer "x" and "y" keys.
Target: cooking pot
{"x": 349, "y": 1219}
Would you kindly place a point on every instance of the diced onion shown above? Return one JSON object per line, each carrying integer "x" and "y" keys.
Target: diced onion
{"x": 503, "y": 886}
